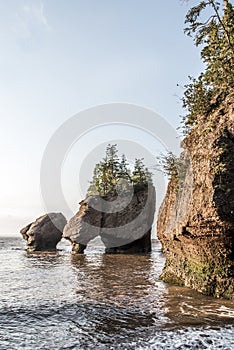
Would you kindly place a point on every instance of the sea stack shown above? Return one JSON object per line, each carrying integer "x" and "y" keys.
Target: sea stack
{"x": 122, "y": 228}
{"x": 44, "y": 233}
{"x": 119, "y": 207}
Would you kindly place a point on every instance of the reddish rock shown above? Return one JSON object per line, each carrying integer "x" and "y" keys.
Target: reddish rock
{"x": 84, "y": 226}
{"x": 44, "y": 233}
{"x": 196, "y": 220}
{"x": 122, "y": 228}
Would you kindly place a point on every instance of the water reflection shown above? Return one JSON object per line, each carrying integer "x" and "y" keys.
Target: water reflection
{"x": 130, "y": 281}
{"x": 121, "y": 280}
{"x": 120, "y": 290}
{"x": 42, "y": 260}
{"x": 123, "y": 283}
{"x": 103, "y": 302}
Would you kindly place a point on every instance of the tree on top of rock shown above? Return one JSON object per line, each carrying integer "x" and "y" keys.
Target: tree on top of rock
{"x": 124, "y": 171}
{"x": 141, "y": 175}
{"x": 112, "y": 175}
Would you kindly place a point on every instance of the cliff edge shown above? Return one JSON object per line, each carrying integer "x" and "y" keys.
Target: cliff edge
{"x": 196, "y": 219}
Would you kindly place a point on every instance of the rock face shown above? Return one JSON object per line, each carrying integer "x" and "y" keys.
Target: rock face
{"x": 44, "y": 233}
{"x": 196, "y": 220}
{"x": 84, "y": 226}
{"x": 123, "y": 225}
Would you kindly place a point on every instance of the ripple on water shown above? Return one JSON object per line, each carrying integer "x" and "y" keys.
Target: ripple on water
{"x": 59, "y": 301}
{"x": 71, "y": 325}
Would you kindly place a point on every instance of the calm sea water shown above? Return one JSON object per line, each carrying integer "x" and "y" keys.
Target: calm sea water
{"x": 97, "y": 301}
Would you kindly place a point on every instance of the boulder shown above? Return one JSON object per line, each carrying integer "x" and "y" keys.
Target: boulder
{"x": 124, "y": 225}
{"x": 44, "y": 233}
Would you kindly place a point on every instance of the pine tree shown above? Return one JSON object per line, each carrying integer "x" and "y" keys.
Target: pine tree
{"x": 112, "y": 176}
{"x": 124, "y": 171}
{"x": 112, "y": 167}
{"x": 106, "y": 173}
{"x": 169, "y": 164}
{"x": 138, "y": 175}
{"x": 216, "y": 35}
{"x": 148, "y": 175}
{"x": 95, "y": 186}
{"x": 124, "y": 176}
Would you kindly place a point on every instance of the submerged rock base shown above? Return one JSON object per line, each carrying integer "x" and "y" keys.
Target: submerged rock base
{"x": 141, "y": 245}
{"x": 196, "y": 220}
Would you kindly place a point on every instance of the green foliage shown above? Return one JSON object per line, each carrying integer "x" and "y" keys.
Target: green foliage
{"x": 175, "y": 168}
{"x": 112, "y": 175}
{"x": 124, "y": 171}
{"x": 169, "y": 164}
{"x": 141, "y": 175}
{"x": 216, "y": 35}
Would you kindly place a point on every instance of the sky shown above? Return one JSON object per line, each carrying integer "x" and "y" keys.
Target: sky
{"x": 59, "y": 58}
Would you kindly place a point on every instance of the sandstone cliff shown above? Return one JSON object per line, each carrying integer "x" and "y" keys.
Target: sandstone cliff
{"x": 123, "y": 223}
{"x": 196, "y": 220}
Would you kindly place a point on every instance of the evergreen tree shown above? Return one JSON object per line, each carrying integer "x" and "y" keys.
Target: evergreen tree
{"x": 124, "y": 176}
{"x": 216, "y": 35}
{"x": 148, "y": 175}
{"x": 106, "y": 173}
{"x": 95, "y": 186}
{"x": 139, "y": 175}
{"x": 112, "y": 176}
{"x": 124, "y": 171}
{"x": 169, "y": 164}
{"x": 112, "y": 168}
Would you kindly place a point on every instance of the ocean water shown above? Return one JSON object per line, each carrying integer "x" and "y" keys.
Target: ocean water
{"x": 98, "y": 301}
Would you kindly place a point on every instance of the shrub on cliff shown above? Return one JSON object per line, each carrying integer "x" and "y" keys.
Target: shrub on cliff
{"x": 112, "y": 175}
{"x": 168, "y": 164}
{"x": 173, "y": 167}
{"x": 215, "y": 34}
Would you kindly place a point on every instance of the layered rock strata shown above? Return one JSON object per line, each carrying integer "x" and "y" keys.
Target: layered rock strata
{"x": 196, "y": 220}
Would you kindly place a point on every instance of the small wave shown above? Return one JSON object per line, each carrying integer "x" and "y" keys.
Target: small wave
{"x": 88, "y": 326}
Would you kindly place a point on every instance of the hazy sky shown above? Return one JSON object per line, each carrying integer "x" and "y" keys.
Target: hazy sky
{"x": 59, "y": 57}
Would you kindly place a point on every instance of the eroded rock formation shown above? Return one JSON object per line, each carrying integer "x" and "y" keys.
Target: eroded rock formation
{"x": 196, "y": 220}
{"x": 122, "y": 228}
{"x": 44, "y": 233}
{"x": 84, "y": 226}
